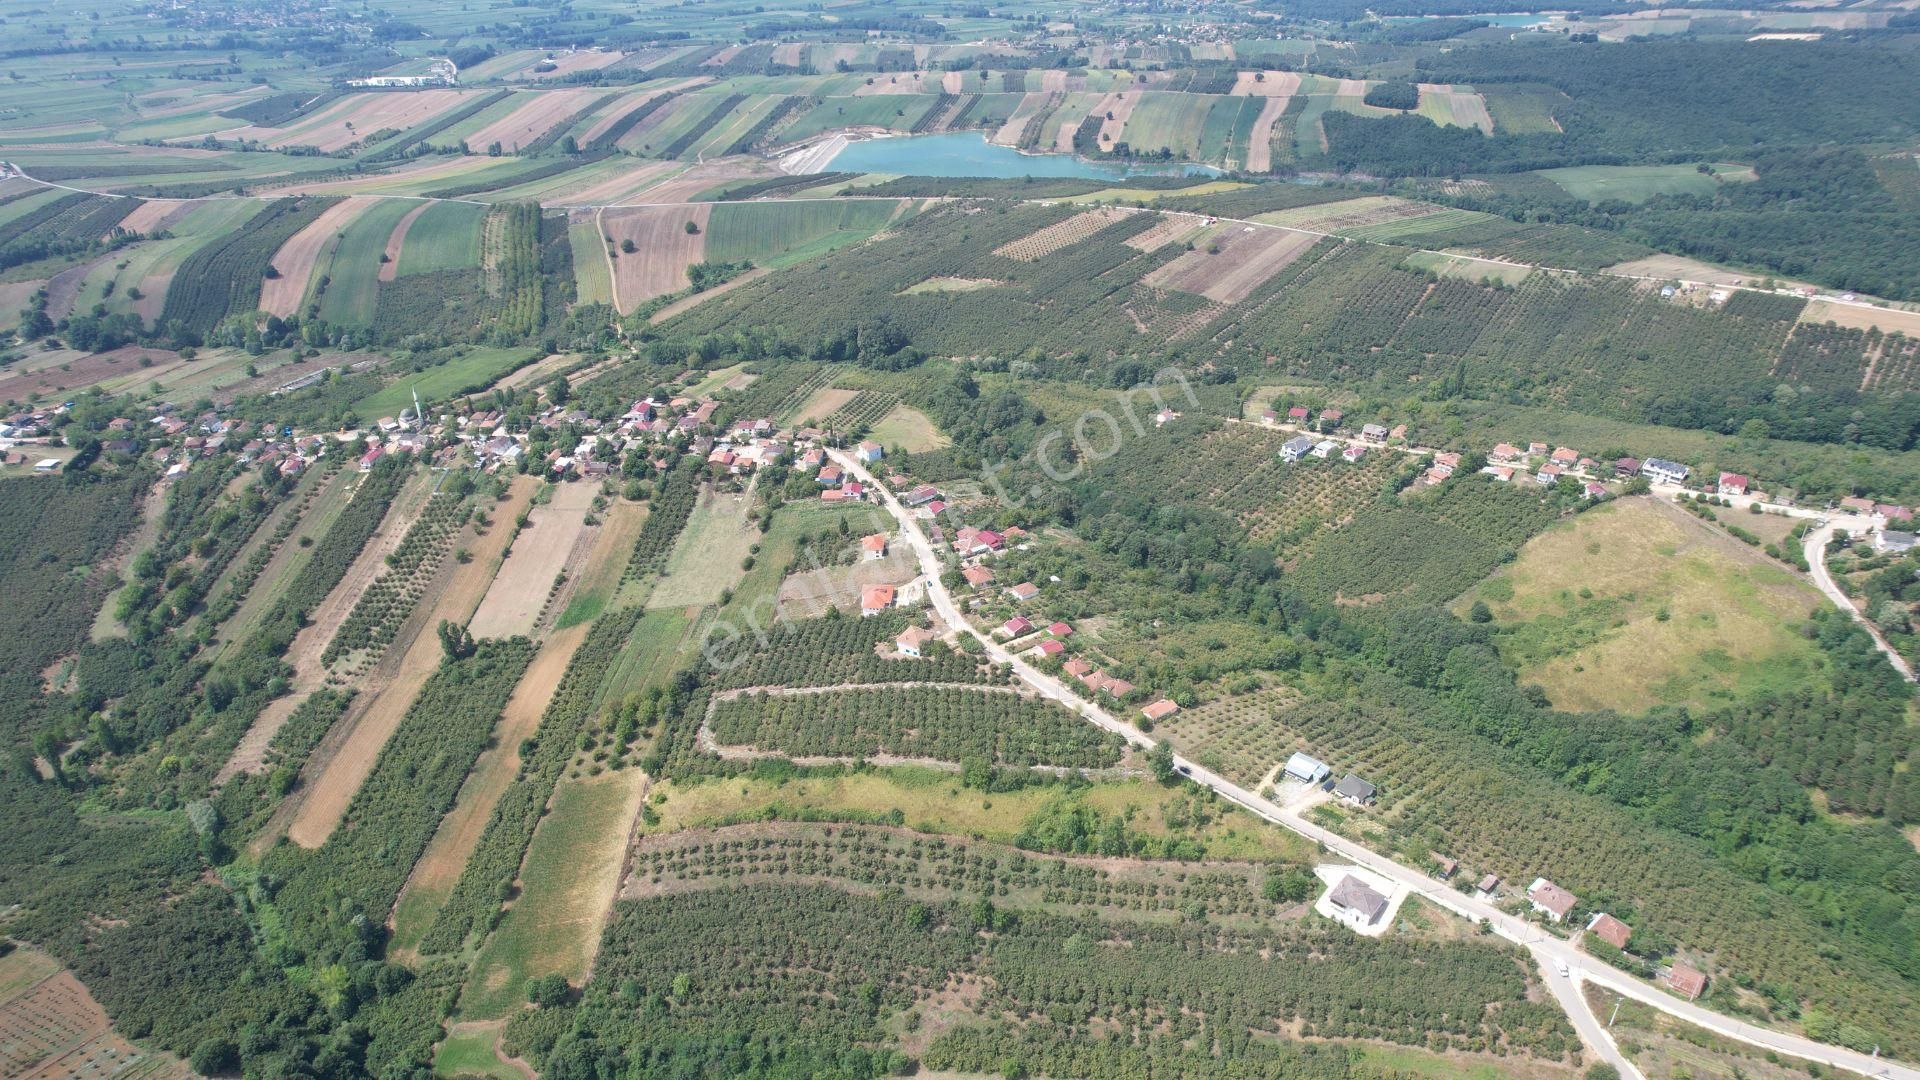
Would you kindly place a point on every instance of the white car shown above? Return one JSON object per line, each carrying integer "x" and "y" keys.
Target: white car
{"x": 1560, "y": 966}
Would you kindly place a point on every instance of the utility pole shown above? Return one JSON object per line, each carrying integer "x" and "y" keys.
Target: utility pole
{"x": 1616, "y": 1012}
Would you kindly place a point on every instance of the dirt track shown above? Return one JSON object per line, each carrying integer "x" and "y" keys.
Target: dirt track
{"x": 663, "y": 249}
{"x": 342, "y": 763}
{"x": 296, "y": 258}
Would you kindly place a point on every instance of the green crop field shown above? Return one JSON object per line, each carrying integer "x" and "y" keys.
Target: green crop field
{"x": 897, "y": 111}
{"x": 592, "y": 278}
{"x": 446, "y": 236}
{"x": 779, "y": 234}
{"x": 479, "y": 367}
{"x": 1176, "y": 122}
{"x": 353, "y": 274}
{"x": 1638, "y": 183}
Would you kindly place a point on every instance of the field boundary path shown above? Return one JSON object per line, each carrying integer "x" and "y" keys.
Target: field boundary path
{"x": 1549, "y": 952}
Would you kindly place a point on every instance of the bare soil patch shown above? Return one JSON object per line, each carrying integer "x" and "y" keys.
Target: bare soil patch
{"x": 1278, "y": 84}
{"x": 358, "y": 116}
{"x": 1009, "y": 133}
{"x": 85, "y": 370}
{"x": 296, "y": 258}
{"x": 629, "y": 182}
{"x": 519, "y": 592}
{"x": 1247, "y": 258}
{"x": 51, "y": 1028}
{"x": 1039, "y": 245}
{"x": 823, "y": 403}
{"x": 63, "y": 288}
{"x": 342, "y": 763}
{"x": 1858, "y": 317}
{"x": 155, "y": 216}
{"x": 663, "y": 249}
{"x": 812, "y": 592}
{"x": 1260, "y": 142}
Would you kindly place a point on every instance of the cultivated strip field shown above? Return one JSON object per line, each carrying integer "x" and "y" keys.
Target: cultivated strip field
{"x": 155, "y": 216}
{"x": 355, "y": 116}
{"x": 1248, "y": 256}
{"x": 1114, "y": 110}
{"x": 296, "y": 259}
{"x": 1260, "y": 141}
{"x": 535, "y": 114}
{"x": 1279, "y": 84}
{"x": 342, "y": 763}
{"x": 396, "y": 241}
{"x": 1039, "y": 245}
{"x": 453, "y": 843}
{"x": 545, "y": 547}
{"x": 663, "y": 249}
{"x": 1446, "y": 104}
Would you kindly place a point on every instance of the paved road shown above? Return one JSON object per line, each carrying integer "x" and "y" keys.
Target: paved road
{"x": 1548, "y": 951}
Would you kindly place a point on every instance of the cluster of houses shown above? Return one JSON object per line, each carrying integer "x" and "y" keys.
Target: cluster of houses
{"x": 1556, "y": 905}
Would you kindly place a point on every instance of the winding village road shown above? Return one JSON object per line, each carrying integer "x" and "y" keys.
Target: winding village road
{"x": 1550, "y": 952}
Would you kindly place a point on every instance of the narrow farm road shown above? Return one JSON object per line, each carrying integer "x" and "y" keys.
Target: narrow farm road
{"x": 1816, "y": 553}
{"x": 1548, "y": 951}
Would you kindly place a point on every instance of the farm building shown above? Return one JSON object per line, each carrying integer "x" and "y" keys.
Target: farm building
{"x": 1323, "y": 448}
{"x": 1296, "y": 448}
{"x": 1306, "y": 769}
{"x": 1686, "y": 981}
{"x": 1354, "y": 790}
{"x": 47, "y": 465}
{"x": 1551, "y": 900}
{"x": 1662, "y": 471}
{"x": 1356, "y": 903}
{"x": 1610, "y": 930}
{"x": 1486, "y": 885}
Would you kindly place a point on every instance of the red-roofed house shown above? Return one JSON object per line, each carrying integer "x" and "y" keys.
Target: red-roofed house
{"x": 1731, "y": 483}
{"x": 876, "y": 599}
{"x": 1330, "y": 419}
{"x": 829, "y": 476}
{"x": 1297, "y": 413}
{"x": 1685, "y": 981}
{"x": 1024, "y": 591}
{"x": 1610, "y": 930}
{"x": 921, "y": 495}
{"x": 1507, "y": 454}
{"x": 1564, "y": 457}
{"x": 1060, "y": 630}
{"x": 1160, "y": 710}
{"x": 1049, "y": 648}
{"x": 1078, "y": 668}
{"x": 875, "y": 546}
{"x": 1016, "y": 626}
{"x": 1854, "y": 504}
{"x": 977, "y": 576}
